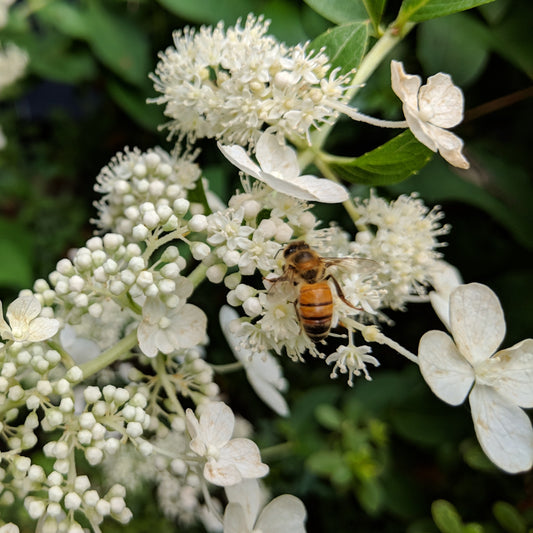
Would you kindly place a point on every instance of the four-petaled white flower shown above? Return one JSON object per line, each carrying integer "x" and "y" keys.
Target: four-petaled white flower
{"x": 228, "y": 461}
{"x": 278, "y": 168}
{"x": 262, "y": 369}
{"x": 167, "y": 330}
{"x": 502, "y": 381}
{"x": 284, "y": 514}
{"x": 431, "y": 108}
{"x": 25, "y": 324}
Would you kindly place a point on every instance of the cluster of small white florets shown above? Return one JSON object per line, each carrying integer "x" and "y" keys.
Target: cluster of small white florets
{"x": 143, "y": 192}
{"x": 230, "y": 84}
{"x": 402, "y": 237}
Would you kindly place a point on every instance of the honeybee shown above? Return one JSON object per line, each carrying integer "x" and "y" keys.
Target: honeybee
{"x": 308, "y": 270}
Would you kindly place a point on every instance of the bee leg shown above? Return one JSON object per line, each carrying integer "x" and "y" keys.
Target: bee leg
{"x": 341, "y": 294}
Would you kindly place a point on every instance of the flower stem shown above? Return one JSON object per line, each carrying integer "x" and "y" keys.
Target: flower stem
{"x": 121, "y": 348}
{"x": 167, "y": 385}
{"x": 197, "y": 275}
{"x": 230, "y": 367}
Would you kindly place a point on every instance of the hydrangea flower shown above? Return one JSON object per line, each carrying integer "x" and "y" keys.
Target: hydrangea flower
{"x": 167, "y": 330}
{"x": 278, "y": 168}
{"x": 229, "y": 83}
{"x": 25, "y": 324}
{"x": 262, "y": 369}
{"x": 498, "y": 383}
{"x": 430, "y": 109}
{"x": 284, "y": 514}
{"x": 228, "y": 461}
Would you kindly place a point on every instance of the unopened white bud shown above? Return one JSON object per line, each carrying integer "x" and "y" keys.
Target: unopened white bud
{"x": 198, "y": 223}
{"x": 91, "y": 498}
{"x": 216, "y": 273}
{"x": 55, "y": 478}
{"x": 134, "y": 429}
{"x": 92, "y": 394}
{"x": 55, "y": 494}
{"x": 103, "y": 508}
{"x": 140, "y": 232}
{"x": 72, "y": 501}
{"x": 15, "y": 393}
{"x": 74, "y": 374}
{"x": 87, "y": 420}
{"x": 200, "y": 250}
{"x": 252, "y": 307}
{"x": 117, "y": 287}
{"x": 81, "y": 484}
{"x": 62, "y": 386}
{"x": 35, "y": 509}
{"x": 94, "y": 455}
{"x": 145, "y": 279}
{"x": 44, "y": 387}
{"x": 112, "y": 445}
{"x": 181, "y": 206}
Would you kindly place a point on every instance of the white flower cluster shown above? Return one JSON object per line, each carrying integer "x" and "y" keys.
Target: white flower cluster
{"x": 143, "y": 192}
{"x": 401, "y": 236}
{"x": 230, "y": 84}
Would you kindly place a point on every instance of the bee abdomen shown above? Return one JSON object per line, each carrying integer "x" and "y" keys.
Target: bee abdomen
{"x": 316, "y": 310}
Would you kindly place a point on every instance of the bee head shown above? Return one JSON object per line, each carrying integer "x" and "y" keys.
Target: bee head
{"x": 295, "y": 246}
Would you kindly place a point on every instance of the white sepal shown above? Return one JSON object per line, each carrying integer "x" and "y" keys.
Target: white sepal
{"x": 448, "y": 374}
{"x": 476, "y": 321}
{"x": 503, "y": 430}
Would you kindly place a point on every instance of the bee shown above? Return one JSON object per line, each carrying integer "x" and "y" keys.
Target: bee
{"x": 306, "y": 269}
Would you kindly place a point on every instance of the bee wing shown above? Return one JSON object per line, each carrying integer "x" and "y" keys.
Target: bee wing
{"x": 358, "y": 264}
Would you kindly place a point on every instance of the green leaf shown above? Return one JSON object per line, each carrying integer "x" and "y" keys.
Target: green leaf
{"x": 66, "y": 17}
{"x": 328, "y": 416}
{"x": 458, "y": 45}
{"x": 419, "y": 10}
{"x": 446, "y": 517}
{"x": 198, "y": 195}
{"x": 509, "y": 517}
{"x": 375, "y": 9}
{"x": 118, "y": 43}
{"x": 325, "y": 462}
{"x": 15, "y": 250}
{"x": 133, "y": 102}
{"x": 371, "y": 496}
{"x": 345, "y": 45}
{"x": 392, "y": 162}
{"x": 211, "y": 11}
{"x": 339, "y": 11}
{"x": 286, "y": 24}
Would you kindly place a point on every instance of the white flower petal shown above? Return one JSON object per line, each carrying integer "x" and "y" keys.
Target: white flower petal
{"x": 405, "y": 86}
{"x": 235, "y": 520}
{"x": 514, "y": 373}
{"x": 446, "y": 372}
{"x": 268, "y": 393}
{"x": 222, "y": 473}
{"x": 276, "y": 157}
{"x": 216, "y": 424}
{"x": 244, "y": 454}
{"x": 146, "y": 339}
{"x": 236, "y": 155}
{"x": 23, "y": 309}
{"x": 5, "y": 330}
{"x": 246, "y": 494}
{"x": 503, "y": 430}
{"x": 188, "y": 327}
{"x": 445, "y": 99}
{"x": 284, "y": 514}
{"x": 476, "y": 321}
{"x": 41, "y": 328}
{"x": 449, "y": 146}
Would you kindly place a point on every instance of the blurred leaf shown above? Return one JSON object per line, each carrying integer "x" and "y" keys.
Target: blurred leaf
{"x": 286, "y": 24}
{"x": 326, "y": 462}
{"x": 375, "y": 9}
{"x": 495, "y": 11}
{"x": 419, "y": 10}
{"x": 446, "y": 517}
{"x": 149, "y": 116}
{"x": 345, "y": 45}
{"x": 394, "y": 161}
{"x": 511, "y": 208}
{"x": 119, "y": 43}
{"x": 474, "y": 457}
{"x": 473, "y": 527}
{"x": 509, "y": 517}
{"x": 328, "y": 416}
{"x": 512, "y": 38}
{"x": 339, "y": 11}
{"x": 371, "y": 496}
{"x": 211, "y": 11}
{"x": 15, "y": 250}
{"x": 457, "y": 45}
{"x": 66, "y": 17}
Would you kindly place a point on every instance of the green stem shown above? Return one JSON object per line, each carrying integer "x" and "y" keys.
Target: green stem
{"x": 230, "y": 367}
{"x": 167, "y": 385}
{"x": 122, "y": 347}
{"x": 197, "y": 275}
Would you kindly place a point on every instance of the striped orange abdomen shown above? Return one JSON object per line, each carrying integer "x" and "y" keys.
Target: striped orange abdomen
{"x": 315, "y": 307}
